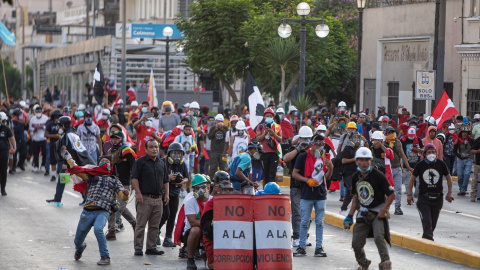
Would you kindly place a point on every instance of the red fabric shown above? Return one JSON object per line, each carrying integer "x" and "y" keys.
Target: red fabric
{"x": 177, "y": 236}
{"x": 444, "y": 110}
{"x": 143, "y": 135}
{"x": 287, "y": 129}
{"x": 388, "y": 167}
{"x": 309, "y": 164}
{"x": 102, "y": 123}
{"x": 421, "y": 127}
{"x": 402, "y": 119}
{"x": 171, "y": 136}
{"x": 81, "y": 187}
{"x": 95, "y": 171}
{"x": 415, "y": 139}
{"x": 393, "y": 124}
{"x": 250, "y": 130}
{"x": 78, "y": 123}
{"x": 329, "y": 142}
{"x": 335, "y": 185}
{"x": 131, "y": 94}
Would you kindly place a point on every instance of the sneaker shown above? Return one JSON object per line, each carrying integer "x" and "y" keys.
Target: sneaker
{"x": 78, "y": 254}
{"x": 364, "y": 267}
{"x": 154, "y": 251}
{"x": 300, "y": 252}
{"x": 183, "y": 194}
{"x": 343, "y": 213}
{"x": 473, "y": 198}
{"x": 296, "y": 242}
{"x": 182, "y": 253}
{"x": 319, "y": 252}
{"x": 168, "y": 242}
{"x": 4, "y": 193}
{"x": 11, "y": 172}
{"x": 307, "y": 243}
{"x": 398, "y": 211}
{"x": 46, "y": 174}
{"x": 42, "y": 169}
{"x": 82, "y": 203}
{"x": 462, "y": 193}
{"x": 104, "y": 261}
{"x": 342, "y": 198}
{"x": 191, "y": 264}
{"x": 53, "y": 179}
{"x": 138, "y": 252}
{"x": 35, "y": 169}
{"x": 50, "y": 201}
{"x": 119, "y": 228}
{"x": 331, "y": 191}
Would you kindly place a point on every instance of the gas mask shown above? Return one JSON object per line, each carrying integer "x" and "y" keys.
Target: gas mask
{"x": 176, "y": 159}
{"x": 319, "y": 152}
{"x": 357, "y": 142}
{"x": 240, "y": 133}
{"x": 195, "y": 113}
{"x": 168, "y": 109}
{"x": 201, "y": 193}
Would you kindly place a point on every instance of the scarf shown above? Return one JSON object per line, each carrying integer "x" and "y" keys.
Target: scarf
{"x": 461, "y": 141}
{"x": 177, "y": 237}
{"x": 92, "y": 170}
{"x": 309, "y": 164}
{"x": 391, "y": 139}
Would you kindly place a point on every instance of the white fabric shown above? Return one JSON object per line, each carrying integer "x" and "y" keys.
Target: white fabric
{"x": 239, "y": 142}
{"x": 39, "y": 124}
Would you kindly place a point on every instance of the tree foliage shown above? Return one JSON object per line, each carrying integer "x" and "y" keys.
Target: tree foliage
{"x": 13, "y": 80}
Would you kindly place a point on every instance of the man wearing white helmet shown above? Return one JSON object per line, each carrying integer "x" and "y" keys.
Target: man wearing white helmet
{"x": 217, "y": 137}
{"x": 342, "y": 109}
{"x": 133, "y": 109}
{"x": 372, "y": 195}
{"x": 382, "y": 155}
{"x": 192, "y": 115}
{"x": 301, "y": 145}
{"x": 329, "y": 146}
{"x": 238, "y": 141}
{"x": 293, "y": 117}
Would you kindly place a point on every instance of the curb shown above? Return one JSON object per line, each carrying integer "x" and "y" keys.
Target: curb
{"x": 454, "y": 254}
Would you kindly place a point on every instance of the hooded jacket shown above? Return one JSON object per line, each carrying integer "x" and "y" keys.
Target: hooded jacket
{"x": 435, "y": 141}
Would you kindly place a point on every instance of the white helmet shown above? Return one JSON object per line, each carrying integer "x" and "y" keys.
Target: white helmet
{"x": 106, "y": 112}
{"x": 342, "y": 104}
{"x": 321, "y": 128}
{"x": 194, "y": 105}
{"x": 476, "y": 116}
{"x": 363, "y": 152}
{"x": 219, "y": 117}
{"x": 378, "y": 135}
{"x": 305, "y": 132}
{"x": 186, "y": 105}
{"x": 452, "y": 126}
{"x": 3, "y": 116}
{"x": 430, "y": 120}
{"x": 81, "y": 107}
{"x": 280, "y": 110}
{"x": 134, "y": 104}
{"x": 292, "y": 109}
{"x": 35, "y": 106}
{"x": 22, "y": 104}
{"x": 240, "y": 125}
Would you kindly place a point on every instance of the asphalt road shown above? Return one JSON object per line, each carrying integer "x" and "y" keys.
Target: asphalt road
{"x": 36, "y": 235}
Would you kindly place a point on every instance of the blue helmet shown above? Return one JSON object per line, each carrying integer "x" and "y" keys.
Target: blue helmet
{"x": 271, "y": 188}
{"x": 260, "y": 192}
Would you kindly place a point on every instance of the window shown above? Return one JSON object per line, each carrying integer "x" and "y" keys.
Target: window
{"x": 473, "y": 101}
{"x": 392, "y": 97}
{"x": 448, "y": 86}
{"x": 475, "y": 8}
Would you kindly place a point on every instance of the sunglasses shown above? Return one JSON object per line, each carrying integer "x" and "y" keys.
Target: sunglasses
{"x": 319, "y": 143}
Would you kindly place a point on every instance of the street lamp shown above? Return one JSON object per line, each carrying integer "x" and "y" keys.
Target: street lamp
{"x": 360, "y": 7}
{"x": 167, "y": 32}
{"x": 284, "y": 31}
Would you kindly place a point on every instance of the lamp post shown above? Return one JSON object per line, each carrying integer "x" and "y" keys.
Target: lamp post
{"x": 167, "y": 33}
{"x": 360, "y": 6}
{"x": 284, "y": 31}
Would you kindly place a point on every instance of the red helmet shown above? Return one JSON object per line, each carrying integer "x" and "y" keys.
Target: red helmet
{"x": 233, "y": 118}
{"x": 269, "y": 110}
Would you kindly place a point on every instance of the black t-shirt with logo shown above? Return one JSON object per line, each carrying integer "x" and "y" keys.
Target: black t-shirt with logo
{"x": 430, "y": 176}
{"x": 5, "y": 135}
{"x": 372, "y": 189}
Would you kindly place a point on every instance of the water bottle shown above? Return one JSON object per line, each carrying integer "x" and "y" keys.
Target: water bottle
{"x": 58, "y": 204}
{"x": 279, "y": 175}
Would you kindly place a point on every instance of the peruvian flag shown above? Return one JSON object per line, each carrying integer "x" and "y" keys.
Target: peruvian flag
{"x": 444, "y": 110}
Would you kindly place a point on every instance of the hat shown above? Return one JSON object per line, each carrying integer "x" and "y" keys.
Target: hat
{"x": 117, "y": 134}
{"x": 344, "y": 119}
{"x": 412, "y": 131}
{"x": 382, "y": 107}
{"x": 324, "y": 110}
{"x": 134, "y": 104}
{"x": 280, "y": 110}
{"x": 186, "y": 105}
{"x": 88, "y": 113}
{"x": 219, "y": 117}
{"x": 404, "y": 109}
{"x": 429, "y": 146}
{"x": 352, "y": 125}
{"x": 413, "y": 116}
{"x": 106, "y": 111}
{"x": 269, "y": 110}
{"x": 385, "y": 119}
{"x": 135, "y": 115}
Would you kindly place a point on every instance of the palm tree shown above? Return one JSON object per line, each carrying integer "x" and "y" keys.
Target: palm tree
{"x": 303, "y": 103}
{"x": 280, "y": 51}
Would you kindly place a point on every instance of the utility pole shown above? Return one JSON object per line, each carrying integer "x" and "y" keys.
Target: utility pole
{"x": 50, "y": 20}
{"x": 87, "y": 18}
{"x": 94, "y": 30}
{"x": 439, "y": 48}
{"x": 124, "y": 34}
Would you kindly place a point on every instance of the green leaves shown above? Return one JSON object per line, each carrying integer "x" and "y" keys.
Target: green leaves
{"x": 13, "y": 80}
{"x": 303, "y": 102}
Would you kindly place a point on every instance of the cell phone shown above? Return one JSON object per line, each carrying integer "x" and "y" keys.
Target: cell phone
{"x": 367, "y": 111}
{"x": 149, "y": 114}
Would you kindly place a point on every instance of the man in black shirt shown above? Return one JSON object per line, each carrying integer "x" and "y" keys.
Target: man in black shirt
{"x": 349, "y": 168}
{"x": 430, "y": 199}
{"x": 372, "y": 195}
{"x": 151, "y": 183}
{"x": 7, "y": 146}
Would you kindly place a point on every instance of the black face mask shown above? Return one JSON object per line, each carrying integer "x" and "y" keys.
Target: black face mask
{"x": 116, "y": 146}
{"x": 155, "y": 114}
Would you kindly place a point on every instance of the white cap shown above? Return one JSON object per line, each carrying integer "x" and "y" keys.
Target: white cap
{"x": 22, "y": 104}
{"x": 452, "y": 126}
{"x": 321, "y": 128}
{"x": 186, "y": 105}
{"x": 3, "y": 116}
{"x": 219, "y": 117}
{"x": 378, "y": 135}
{"x": 305, "y": 132}
{"x": 280, "y": 110}
{"x": 430, "y": 120}
{"x": 81, "y": 107}
{"x": 120, "y": 101}
{"x": 363, "y": 152}
{"x": 194, "y": 105}
{"x": 342, "y": 104}
{"x": 412, "y": 131}
{"x": 134, "y": 104}
{"x": 106, "y": 111}
{"x": 476, "y": 116}
{"x": 292, "y": 109}
{"x": 240, "y": 125}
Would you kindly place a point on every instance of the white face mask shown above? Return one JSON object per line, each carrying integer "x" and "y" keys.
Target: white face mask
{"x": 451, "y": 131}
{"x": 60, "y": 131}
{"x": 431, "y": 157}
{"x": 105, "y": 117}
{"x": 38, "y": 115}
{"x": 148, "y": 124}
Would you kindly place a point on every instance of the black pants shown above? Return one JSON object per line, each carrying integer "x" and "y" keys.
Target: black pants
{"x": 270, "y": 164}
{"x": 169, "y": 215}
{"x": 347, "y": 181}
{"x": 3, "y": 172}
{"x": 429, "y": 212}
{"x": 22, "y": 151}
{"x": 37, "y": 146}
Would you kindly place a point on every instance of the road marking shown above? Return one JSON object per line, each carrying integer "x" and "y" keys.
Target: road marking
{"x": 73, "y": 194}
{"x": 30, "y": 182}
{"x": 463, "y": 214}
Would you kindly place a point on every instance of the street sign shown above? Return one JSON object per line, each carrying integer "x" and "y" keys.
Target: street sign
{"x": 146, "y": 30}
{"x": 425, "y": 85}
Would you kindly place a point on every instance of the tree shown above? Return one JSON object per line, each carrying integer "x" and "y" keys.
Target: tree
{"x": 13, "y": 80}
{"x": 280, "y": 51}
{"x": 213, "y": 40}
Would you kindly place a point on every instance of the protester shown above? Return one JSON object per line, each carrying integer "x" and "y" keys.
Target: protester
{"x": 7, "y": 146}
{"x": 19, "y": 133}
{"x": 413, "y": 149}
{"x": 90, "y": 136}
{"x": 463, "y": 151}
{"x": 217, "y": 137}
{"x": 269, "y": 135}
{"x": 39, "y": 142}
{"x": 241, "y": 165}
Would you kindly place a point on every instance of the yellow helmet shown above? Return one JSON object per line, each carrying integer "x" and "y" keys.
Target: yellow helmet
{"x": 352, "y": 125}
{"x": 166, "y": 103}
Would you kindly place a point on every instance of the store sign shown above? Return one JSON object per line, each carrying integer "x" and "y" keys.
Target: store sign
{"x": 146, "y": 30}
{"x": 425, "y": 85}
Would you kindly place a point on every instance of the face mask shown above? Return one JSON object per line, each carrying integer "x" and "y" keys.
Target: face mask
{"x": 341, "y": 125}
{"x": 38, "y": 115}
{"x": 148, "y": 124}
{"x": 319, "y": 152}
{"x": 411, "y": 137}
{"x": 211, "y": 123}
{"x": 60, "y": 131}
{"x": 364, "y": 171}
{"x": 11, "y": 111}
{"x": 280, "y": 117}
{"x": 88, "y": 121}
{"x": 323, "y": 134}
{"x": 240, "y": 133}
{"x": 144, "y": 110}
{"x": 391, "y": 137}
{"x": 431, "y": 158}
{"x": 155, "y": 114}
{"x": 295, "y": 113}
{"x": 105, "y": 118}
{"x": 342, "y": 109}
{"x": 269, "y": 120}
{"x": 201, "y": 193}
{"x": 195, "y": 113}
{"x": 451, "y": 131}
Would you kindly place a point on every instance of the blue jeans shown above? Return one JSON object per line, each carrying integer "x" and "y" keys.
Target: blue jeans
{"x": 464, "y": 167}
{"x": 306, "y": 207}
{"x": 343, "y": 189}
{"x": 94, "y": 156}
{"x": 47, "y": 160}
{"x": 60, "y": 187}
{"x": 97, "y": 220}
{"x": 191, "y": 162}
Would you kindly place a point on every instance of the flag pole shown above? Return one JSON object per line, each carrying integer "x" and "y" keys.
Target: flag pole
{"x": 5, "y": 79}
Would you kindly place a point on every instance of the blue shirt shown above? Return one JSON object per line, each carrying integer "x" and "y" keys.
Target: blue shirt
{"x": 242, "y": 161}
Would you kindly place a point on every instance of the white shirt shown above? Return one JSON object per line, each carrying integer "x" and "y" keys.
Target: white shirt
{"x": 191, "y": 208}
{"x": 39, "y": 124}
{"x": 186, "y": 142}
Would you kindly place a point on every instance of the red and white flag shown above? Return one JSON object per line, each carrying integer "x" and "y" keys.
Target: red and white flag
{"x": 444, "y": 110}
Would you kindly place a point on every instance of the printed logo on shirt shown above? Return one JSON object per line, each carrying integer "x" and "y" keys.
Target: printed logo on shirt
{"x": 219, "y": 135}
{"x": 431, "y": 177}
{"x": 242, "y": 146}
{"x": 2, "y": 134}
{"x": 365, "y": 193}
